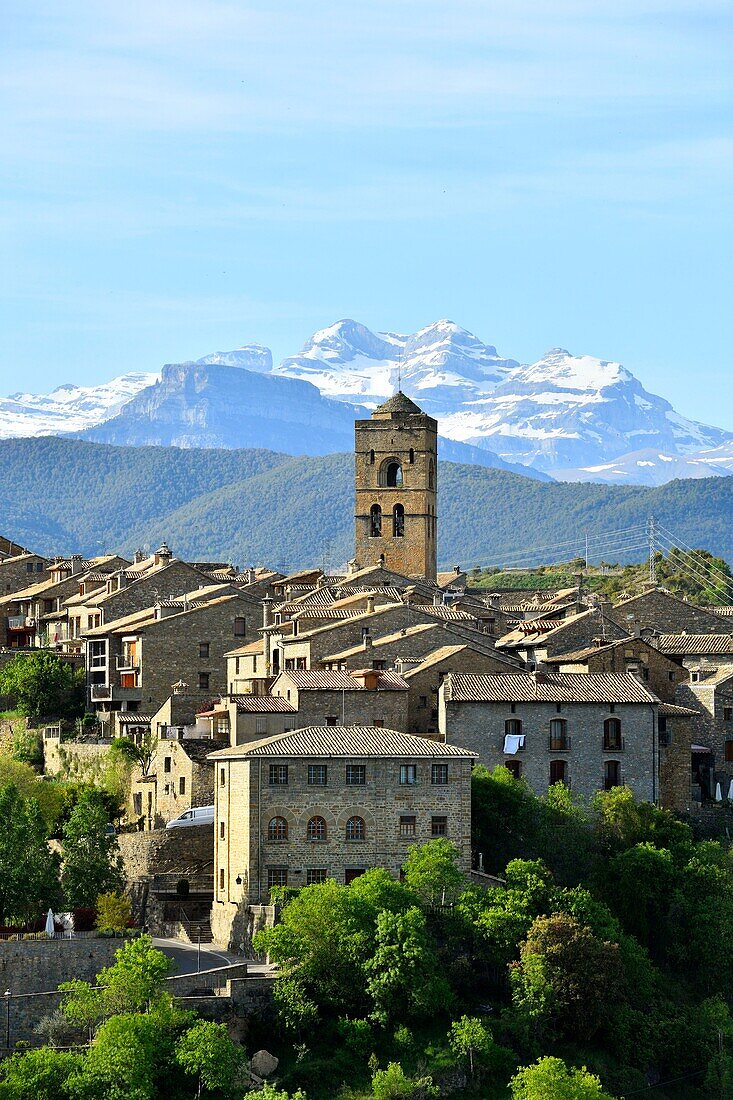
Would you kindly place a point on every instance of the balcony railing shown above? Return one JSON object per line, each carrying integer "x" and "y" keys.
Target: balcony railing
{"x": 614, "y": 744}
{"x": 101, "y": 691}
{"x": 127, "y": 663}
{"x": 559, "y": 744}
{"x": 20, "y": 622}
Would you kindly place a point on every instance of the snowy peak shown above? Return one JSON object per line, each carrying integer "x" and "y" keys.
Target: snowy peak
{"x": 68, "y": 408}
{"x": 582, "y": 373}
{"x": 248, "y": 357}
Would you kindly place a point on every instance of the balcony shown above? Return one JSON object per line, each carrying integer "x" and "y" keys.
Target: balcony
{"x": 100, "y": 691}
{"x": 614, "y": 744}
{"x": 20, "y": 622}
{"x": 558, "y": 744}
{"x": 115, "y": 692}
{"x": 128, "y": 662}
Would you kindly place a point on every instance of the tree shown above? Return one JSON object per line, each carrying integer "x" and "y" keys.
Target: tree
{"x": 28, "y": 868}
{"x": 48, "y": 794}
{"x": 469, "y": 1038}
{"x": 134, "y": 983}
{"x": 140, "y": 752}
{"x": 206, "y": 1052}
{"x": 403, "y": 974}
{"x": 550, "y": 1079}
{"x": 564, "y": 968}
{"x": 43, "y": 685}
{"x": 92, "y": 863}
{"x": 295, "y": 1009}
{"x": 114, "y": 913}
{"x": 431, "y": 872}
{"x": 27, "y": 747}
{"x": 37, "y": 1074}
{"x": 393, "y": 1084}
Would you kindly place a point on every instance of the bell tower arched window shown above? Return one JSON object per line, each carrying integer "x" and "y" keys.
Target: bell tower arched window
{"x": 375, "y": 521}
{"x": 390, "y": 475}
{"x": 398, "y": 521}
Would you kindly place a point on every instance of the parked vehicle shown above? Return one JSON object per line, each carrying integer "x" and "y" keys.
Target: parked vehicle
{"x": 197, "y": 815}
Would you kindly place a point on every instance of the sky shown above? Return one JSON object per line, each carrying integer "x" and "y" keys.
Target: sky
{"x": 184, "y": 177}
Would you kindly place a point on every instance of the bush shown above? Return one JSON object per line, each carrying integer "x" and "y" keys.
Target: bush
{"x": 114, "y": 913}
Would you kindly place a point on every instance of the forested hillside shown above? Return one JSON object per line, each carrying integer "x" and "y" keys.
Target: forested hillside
{"x": 252, "y": 506}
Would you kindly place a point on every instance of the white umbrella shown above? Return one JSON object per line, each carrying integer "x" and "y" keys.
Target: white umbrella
{"x": 50, "y": 926}
{"x": 718, "y": 793}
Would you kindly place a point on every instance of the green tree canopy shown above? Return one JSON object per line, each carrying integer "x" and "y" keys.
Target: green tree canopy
{"x": 92, "y": 864}
{"x": 551, "y": 1079}
{"x": 431, "y": 872}
{"x": 28, "y": 868}
{"x": 43, "y": 685}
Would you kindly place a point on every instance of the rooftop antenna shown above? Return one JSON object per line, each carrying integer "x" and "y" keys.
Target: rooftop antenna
{"x": 399, "y": 371}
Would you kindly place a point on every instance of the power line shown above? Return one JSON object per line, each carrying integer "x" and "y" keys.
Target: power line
{"x": 720, "y": 579}
{"x": 681, "y": 544}
{"x": 691, "y": 568}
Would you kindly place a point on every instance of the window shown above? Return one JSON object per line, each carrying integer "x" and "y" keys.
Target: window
{"x": 408, "y": 774}
{"x": 398, "y": 521}
{"x": 261, "y": 723}
{"x": 167, "y": 764}
{"x": 315, "y": 875}
{"x": 203, "y": 681}
{"x": 391, "y": 474}
{"x": 408, "y": 823}
{"x": 204, "y": 650}
{"x": 513, "y": 727}
{"x": 240, "y": 627}
{"x": 137, "y": 803}
{"x": 29, "y": 567}
{"x": 431, "y": 474}
{"x": 355, "y": 775}
{"x": 278, "y": 775}
{"x": 355, "y": 829}
{"x": 611, "y": 774}
{"x": 332, "y": 720}
{"x": 558, "y": 771}
{"x": 411, "y": 456}
{"x": 277, "y": 876}
{"x": 371, "y": 457}
{"x": 222, "y": 830}
{"x": 221, "y": 878}
{"x": 316, "y": 829}
{"x": 39, "y": 567}
{"x": 423, "y": 700}
{"x": 729, "y": 752}
{"x": 727, "y": 714}
{"x": 222, "y": 777}
{"x": 350, "y": 873}
{"x": 222, "y": 725}
{"x": 378, "y": 723}
{"x": 612, "y": 734}
{"x": 439, "y": 775}
{"x": 559, "y": 735}
{"x": 515, "y": 767}
{"x": 182, "y": 785}
{"x": 375, "y": 521}
{"x": 277, "y": 829}
{"x": 317, "y": 775}
{"x": 439, "y": 826}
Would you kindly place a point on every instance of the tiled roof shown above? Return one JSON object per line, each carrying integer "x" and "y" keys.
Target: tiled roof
{"x": 345, "y": 742}
{"x": 132, "y": 718}
{"x": 263, "y": 704}
{"x": 257, "y": 647}
{"x": 386, "y": 639}
{"x": 553, "y": 687}
{"x": 671, "y": 710}
{"x": 329, "y": 613}
{"x": 682, "y": 644}
{"x": 725, "y": 611}
{"x": 340, "y": 680}
{"x": 451, "y": 614}
{"x": 434, "y": 658}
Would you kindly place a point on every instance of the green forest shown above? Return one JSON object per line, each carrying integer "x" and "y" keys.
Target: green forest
{"x": 600, "y": 967}
{"x": 254, "y": 507}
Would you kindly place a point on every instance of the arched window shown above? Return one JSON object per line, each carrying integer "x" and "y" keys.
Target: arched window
{"x": 355, "y": 828}
{"x": 558, "y": 735}
{"x": 316, "y": 829}
{"x": 431, "y": 474}
{"x": 375, "y": 521}
{"x": 412, "y": 456}
{"x": 515, "y": 767}
{"x": 390, "y": 475}
{"x": 513, "y": 727}
{"x": 612, "y": 734}
{"x": 611, "y": 774}
{"x": 277, "y": 829}
{"x": 398, "y": 521}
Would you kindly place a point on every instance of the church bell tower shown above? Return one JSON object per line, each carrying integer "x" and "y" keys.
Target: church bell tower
{"x": 396, "y": 489}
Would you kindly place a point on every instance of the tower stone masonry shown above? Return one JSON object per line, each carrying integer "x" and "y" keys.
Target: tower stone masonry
{"x": 396, "y": 459}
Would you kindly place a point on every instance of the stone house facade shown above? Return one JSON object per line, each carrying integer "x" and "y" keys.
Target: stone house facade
{"x": 382, "y": 651}
{"x": 589, "y": 732}
{"x": 711, "y": 698}
{"x": 325, "y": 802}
{"x": 20, "y": 570}
{"x": 345, "y": 698}
{"x": 424, "y": 680}
{"x": 180, "y": 776}
{"x": 662, "y": 613}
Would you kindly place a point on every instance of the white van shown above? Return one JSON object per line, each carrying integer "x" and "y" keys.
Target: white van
{"x": 197, "y": 815}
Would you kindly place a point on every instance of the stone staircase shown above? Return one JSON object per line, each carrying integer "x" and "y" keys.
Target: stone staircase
{"x": 196, "y": 931}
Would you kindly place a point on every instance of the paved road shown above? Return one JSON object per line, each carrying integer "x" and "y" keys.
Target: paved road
{"x": 185, "y": 956}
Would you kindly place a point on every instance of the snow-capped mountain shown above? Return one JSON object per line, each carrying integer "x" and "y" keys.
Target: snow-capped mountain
{"x": 68, "y": 408}
{"x": 573, "y": 417}
{"x": 442, "y": 365}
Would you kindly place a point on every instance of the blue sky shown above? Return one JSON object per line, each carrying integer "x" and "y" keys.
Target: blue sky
{"x": 183, "y": 177}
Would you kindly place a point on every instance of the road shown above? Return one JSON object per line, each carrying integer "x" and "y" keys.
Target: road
{"x": 185, "y": 956}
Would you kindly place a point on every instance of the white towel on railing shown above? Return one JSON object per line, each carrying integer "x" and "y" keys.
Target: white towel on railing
{"x": 513, "y": 742}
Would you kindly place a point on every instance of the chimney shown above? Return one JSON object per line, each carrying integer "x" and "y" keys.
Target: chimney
{"x": 77, "y": 564}
{"x": 138, "y": 556}
{"x": 367, "y": 677}
{"x": 163, "y": 554}
{"x": 267, "y": 603}
{"x": 367, "y": 641}
{"x": 370, "y": 604}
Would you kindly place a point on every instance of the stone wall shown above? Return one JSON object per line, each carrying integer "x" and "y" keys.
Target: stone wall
{"x": 666, "y": 614}
{"x": 155, "y": 862}
{"x": 32, "y": 968}
{"x": 233, "y": 925}
{"x": 425, "y": 682}
{"x": 73, "y": 759}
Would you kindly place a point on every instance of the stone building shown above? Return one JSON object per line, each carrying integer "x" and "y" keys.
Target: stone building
{"x": 396, "y": 488}
{"x": 382, "y": 651}
{"x": 591, "y": 732}
{"x": 17, "y": 571}
{"x": 345, "y": 698}
{"x": 181, "y": 775}
{"x": 711, "y": 698}
{"x": 132, "y": 661}
{"x": 698, "y": 653}
{"x": 627, "y": 655}
{"x": 330, "y": 802}
{"x": 660, "y": 612}
{"x": 424, "y": 679}
{"x": 244, "y": 718}
{"x": 534, "y": 640}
